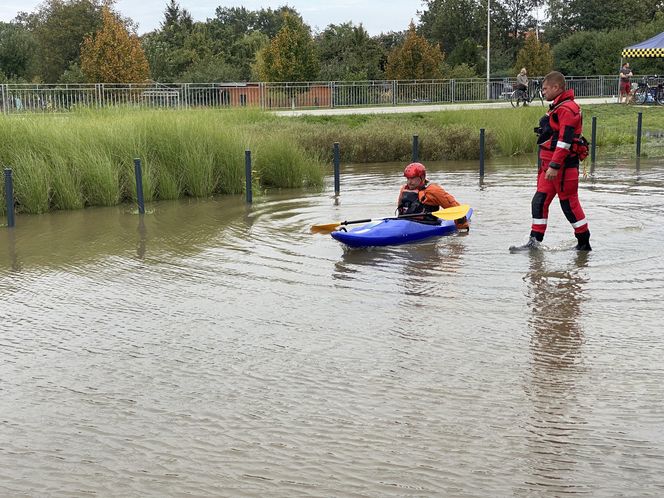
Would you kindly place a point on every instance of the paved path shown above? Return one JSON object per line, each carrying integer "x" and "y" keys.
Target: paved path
{"x": 422, "y": 108}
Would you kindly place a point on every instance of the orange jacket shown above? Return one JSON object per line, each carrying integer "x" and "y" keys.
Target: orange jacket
{"x": 432, "y": 195}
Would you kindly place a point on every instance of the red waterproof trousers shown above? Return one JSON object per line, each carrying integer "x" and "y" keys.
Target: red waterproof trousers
{"x": 567, "y": 191}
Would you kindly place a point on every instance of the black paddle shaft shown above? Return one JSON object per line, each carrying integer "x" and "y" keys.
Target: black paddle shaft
{"x": 367, "y": 220}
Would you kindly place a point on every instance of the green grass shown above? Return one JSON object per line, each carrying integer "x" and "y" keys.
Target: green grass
{"x": 509, "y": 132}
{"x": 86, "y": 158}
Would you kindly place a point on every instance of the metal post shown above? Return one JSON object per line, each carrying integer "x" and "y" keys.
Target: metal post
{"x": 593, "y": 140}
{"x": 337, "y": 161}
{"x": 481, "y": 151}
{"x": 639, "y": 123}
{"x": 139, "y": 186}
{"x": 247, "y": 174}
{"x": 9, "y": 197}
{"x": 416, "y": 148}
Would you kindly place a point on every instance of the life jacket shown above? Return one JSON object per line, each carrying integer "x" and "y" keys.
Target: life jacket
{"x": 548, "y": 133}
{"x": 409, "y": 203}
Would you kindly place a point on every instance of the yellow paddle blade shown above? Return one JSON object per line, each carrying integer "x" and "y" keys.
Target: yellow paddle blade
{"x": 325, "y": 227}
{"x": 452, "y": 213}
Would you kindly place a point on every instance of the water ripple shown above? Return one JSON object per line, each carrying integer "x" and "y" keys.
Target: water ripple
{"x": 212, "y": 348}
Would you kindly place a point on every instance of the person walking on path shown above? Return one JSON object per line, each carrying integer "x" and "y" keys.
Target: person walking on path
{"x": 625, "y": 83}
{"x": 561, "y": 148}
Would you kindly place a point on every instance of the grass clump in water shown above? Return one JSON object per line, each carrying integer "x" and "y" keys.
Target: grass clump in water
{"x": 86, "y": 158}
{"x": 286, "y": 165}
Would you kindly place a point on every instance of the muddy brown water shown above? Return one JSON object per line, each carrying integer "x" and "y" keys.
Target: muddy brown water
{"x": 215, "y": 349}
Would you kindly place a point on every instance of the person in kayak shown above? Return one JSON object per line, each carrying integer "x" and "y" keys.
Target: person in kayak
{"x": 419, "y": 195}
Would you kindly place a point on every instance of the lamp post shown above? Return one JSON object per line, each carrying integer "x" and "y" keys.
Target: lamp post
{"x": 488, "y": 49}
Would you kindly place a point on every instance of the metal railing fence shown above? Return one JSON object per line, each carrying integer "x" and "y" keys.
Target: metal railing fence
{"x": 17, "y": 98}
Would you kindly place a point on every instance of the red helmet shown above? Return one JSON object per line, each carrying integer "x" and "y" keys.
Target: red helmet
{"x": 415, "y": 170}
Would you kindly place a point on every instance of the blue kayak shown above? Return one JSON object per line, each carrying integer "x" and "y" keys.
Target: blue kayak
{"x": 393, "y": 231}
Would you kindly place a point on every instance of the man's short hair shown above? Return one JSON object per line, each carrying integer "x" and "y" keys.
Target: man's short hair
{"x": 555, "y": 78}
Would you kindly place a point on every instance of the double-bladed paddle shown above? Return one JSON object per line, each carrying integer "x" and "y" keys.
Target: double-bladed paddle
{"x": 451, "y": 213}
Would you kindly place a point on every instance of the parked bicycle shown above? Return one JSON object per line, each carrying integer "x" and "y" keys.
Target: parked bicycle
{"x": 520, "y": 97}
{"x": 646, "y": 93}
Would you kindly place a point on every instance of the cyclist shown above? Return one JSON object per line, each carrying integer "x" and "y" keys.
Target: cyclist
{"x": 522, "y": 83}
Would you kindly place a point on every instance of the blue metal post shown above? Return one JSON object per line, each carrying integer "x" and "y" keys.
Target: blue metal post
{"x": 247, "y": 174}
{"x": 337, "y": 167}
{"x": 481, "y": 151}
{"x": 593, "y": 140}
{"x": 639, "y": 123}
{"x": 9, "y": 197}
{"x": 416, "y": 148}
{"x": 139, "y": 186}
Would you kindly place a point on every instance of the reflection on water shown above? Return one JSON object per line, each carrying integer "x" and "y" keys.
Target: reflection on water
{"x": 211, "y": 348}
{"x": 142, "y": 237}
{"x": 555, "y": 298}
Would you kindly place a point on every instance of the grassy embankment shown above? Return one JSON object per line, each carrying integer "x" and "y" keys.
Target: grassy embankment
{"x": 455, "y": 134}
{"x": 85, "y": 158}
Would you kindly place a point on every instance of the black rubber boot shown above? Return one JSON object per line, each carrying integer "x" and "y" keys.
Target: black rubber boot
{"x": 583, "y": 241}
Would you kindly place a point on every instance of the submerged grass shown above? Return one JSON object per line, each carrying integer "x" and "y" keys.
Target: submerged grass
{"x": 86, "y": 158}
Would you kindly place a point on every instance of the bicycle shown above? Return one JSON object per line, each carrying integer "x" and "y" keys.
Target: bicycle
{"x": 521, "y": 97}
{"x": 649, "y": 94}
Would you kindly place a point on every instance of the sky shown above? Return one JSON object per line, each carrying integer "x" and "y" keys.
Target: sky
{"x": 376, "y": 16}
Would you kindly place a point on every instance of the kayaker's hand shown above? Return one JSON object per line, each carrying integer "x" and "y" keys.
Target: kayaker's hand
{"x": 462, "y": 223}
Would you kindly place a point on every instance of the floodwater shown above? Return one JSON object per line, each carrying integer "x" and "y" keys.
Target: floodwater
{"x": 216, "y": 349}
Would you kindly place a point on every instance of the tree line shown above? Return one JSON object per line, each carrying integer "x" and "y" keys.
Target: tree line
{"x": 75, "y": 41}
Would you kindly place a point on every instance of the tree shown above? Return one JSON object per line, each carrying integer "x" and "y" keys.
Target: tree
{"x": 518, "y": 17}
{"x": 168, "y": 51}
{"x": 416, "y": 59}
{"x": 177, "y": 24}
{"x": 239, "y": 34}
{"x": 467, "y": 52}
{"x": 348, "y": 53}
{"x": 113, "y": 55}
{"x": 535, "y": 56}
{"x": 17, "y": 52}
{"x": 570, "y": 16}
{"x": 291, "y": 54}
{"x": 59, "y": 27}
{"x": 598, "y": 52}
{"x": 449, "y": 22}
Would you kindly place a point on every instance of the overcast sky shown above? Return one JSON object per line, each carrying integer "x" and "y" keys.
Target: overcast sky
{"x": 375, "y": 15}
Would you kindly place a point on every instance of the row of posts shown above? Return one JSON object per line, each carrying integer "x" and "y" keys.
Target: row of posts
{"x": 9, "y": 187}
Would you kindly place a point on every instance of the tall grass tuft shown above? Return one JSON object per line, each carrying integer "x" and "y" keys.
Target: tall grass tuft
{"x": 229, "y": 161}
{"x": 100, "y": 176}
{"x": 66, "y": 181}
{"x": 31, "y": 183}
{"x": 196, "y": 158}
{"x": 280, "y": 163}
